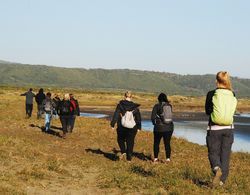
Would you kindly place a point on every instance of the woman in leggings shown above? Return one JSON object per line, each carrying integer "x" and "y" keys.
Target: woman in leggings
{"x": 161, "y": 118}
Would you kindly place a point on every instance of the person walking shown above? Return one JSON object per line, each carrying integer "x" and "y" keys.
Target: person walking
{"x": 220, "y": 106}
{"x": 161, "y": 118}
{"x": 56, "y": 101}
{"x": 29, "y": 102}
{"x": 65, "y": 114}
{"x": 40, "y": 97}
{"x": 128, "y": 118}
{"x": 75, "y": 110}
{"x": 48, "y": 109}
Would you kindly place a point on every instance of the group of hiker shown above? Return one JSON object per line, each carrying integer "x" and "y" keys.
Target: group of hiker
{"x": 67, "y": 109}
{"x": 220, "y": 106}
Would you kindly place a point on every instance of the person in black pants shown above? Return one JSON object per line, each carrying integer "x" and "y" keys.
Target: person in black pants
{"x": 40, "y": 97}
{"x": 125, "y": 135}
{"x": 65, "y": 114}
{"x": 162, "y": 129}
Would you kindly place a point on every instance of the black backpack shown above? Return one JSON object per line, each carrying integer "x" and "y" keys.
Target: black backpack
{"x": 65, "y": 107}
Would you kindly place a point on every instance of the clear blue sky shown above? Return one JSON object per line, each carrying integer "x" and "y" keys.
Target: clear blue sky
{"x": 185, "y": 37}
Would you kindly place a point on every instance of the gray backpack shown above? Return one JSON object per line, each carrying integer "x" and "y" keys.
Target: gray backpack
{"x": 127, "y": 120}
{"x": 48, "y": 106}
{"x": 166, "y": 114}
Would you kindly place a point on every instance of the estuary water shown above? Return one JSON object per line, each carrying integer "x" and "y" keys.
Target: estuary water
{"x": 195, "y": 131}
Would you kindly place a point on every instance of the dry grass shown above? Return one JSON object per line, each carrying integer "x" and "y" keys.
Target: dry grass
{"x": 85, "y": 162}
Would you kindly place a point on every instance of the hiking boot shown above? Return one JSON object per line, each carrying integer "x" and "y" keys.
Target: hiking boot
{"x": 216, "y": 179}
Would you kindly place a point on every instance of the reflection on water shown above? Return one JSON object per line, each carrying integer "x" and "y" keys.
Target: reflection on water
{"x": 243, "y": 115}
{"x": 92, "y": 115}
{"x": 195, "y": 131}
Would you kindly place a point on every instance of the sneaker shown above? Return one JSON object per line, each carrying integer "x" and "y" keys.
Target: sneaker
{"x": 216, "y": 179}
{"x": 122, "y": 156}
{"x": 221, "y": 183}
{"x": 155, "y": 160}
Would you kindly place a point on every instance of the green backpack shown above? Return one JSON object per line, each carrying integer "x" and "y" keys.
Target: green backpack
{"x": 224, "y": 106}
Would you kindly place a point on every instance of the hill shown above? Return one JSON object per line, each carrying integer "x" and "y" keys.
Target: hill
{"x": 14, "y": 74}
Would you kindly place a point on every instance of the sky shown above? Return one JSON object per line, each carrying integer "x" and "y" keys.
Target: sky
{"x": 180, "y": 36}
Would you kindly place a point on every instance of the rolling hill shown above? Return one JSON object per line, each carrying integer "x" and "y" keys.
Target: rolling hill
{"x": 15, "y": 74}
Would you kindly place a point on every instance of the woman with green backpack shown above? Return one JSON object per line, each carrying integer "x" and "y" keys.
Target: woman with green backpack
{"x": 220, "y": 106}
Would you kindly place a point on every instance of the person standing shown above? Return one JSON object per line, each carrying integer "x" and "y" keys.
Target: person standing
{"x": 128, "y": 118}
{"x": 29, "y": 102}
{"x": 220, "y": 106}
{"x": 161, "y": 118}
{"x": 40, "y": 97}
{"x": 75, "y": 110}
{"x": 48, "y": 109}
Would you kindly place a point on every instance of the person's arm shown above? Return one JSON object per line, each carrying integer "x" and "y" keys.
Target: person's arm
{"x": 23, "y": 94}
{"x": 209, "y": 102}
{"x": 115, "y": 116}
{"x": 77, "y": 108}
{"x": 138, "y": 119}
{"x": 153, "y": 114}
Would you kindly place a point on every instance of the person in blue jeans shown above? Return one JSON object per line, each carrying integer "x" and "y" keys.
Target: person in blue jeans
{"x": 48, "y": 109}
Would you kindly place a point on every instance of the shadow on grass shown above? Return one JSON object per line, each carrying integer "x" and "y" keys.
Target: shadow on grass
{"x": 200, "y": 183}
{"x": 50, "y": 131}
{"x": 142, "y": 156}
{"x": 108, "y": 155}
{"x": 142, "y": 171}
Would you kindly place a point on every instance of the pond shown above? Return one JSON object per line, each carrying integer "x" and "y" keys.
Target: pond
{"x": 195, "y": 131}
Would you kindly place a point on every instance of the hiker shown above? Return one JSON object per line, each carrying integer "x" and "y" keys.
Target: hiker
{"x": 161, "y": 118}
{"x": 128, "y": 118}
{"x": 40, "y": 96}
{"x": 48, "y": 109}
{"x": 29, "y": 102}
{"x": 56, "y": 101}
{"x": 75, "y": 110}
{"x": 65, "y": 114}
{"x": 220, "y": 106}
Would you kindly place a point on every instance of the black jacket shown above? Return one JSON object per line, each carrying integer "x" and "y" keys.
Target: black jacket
{"x": 39, "y": 98}
{"x": 159, "y": 126}
{"x": 121, "y": 108}
{"x": 65, "y": 105}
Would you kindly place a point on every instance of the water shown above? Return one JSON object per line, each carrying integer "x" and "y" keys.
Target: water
{"x": 195, "y": 131}
{"x": 92, "y": 115}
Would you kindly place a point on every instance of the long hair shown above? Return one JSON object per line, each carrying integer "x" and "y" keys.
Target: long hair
{"x": 223, "y": 79}
{"x": 163, "y": 98}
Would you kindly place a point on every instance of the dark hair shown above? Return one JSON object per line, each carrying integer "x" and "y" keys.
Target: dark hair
{"x": 41, "y": 90}
{"x": 162, "y": 97}
{"x": 31, "y": 89}
{"x": 48, "y": 94}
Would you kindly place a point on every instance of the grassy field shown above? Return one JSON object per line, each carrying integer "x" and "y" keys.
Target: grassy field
{"x": 32, "y": 162}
